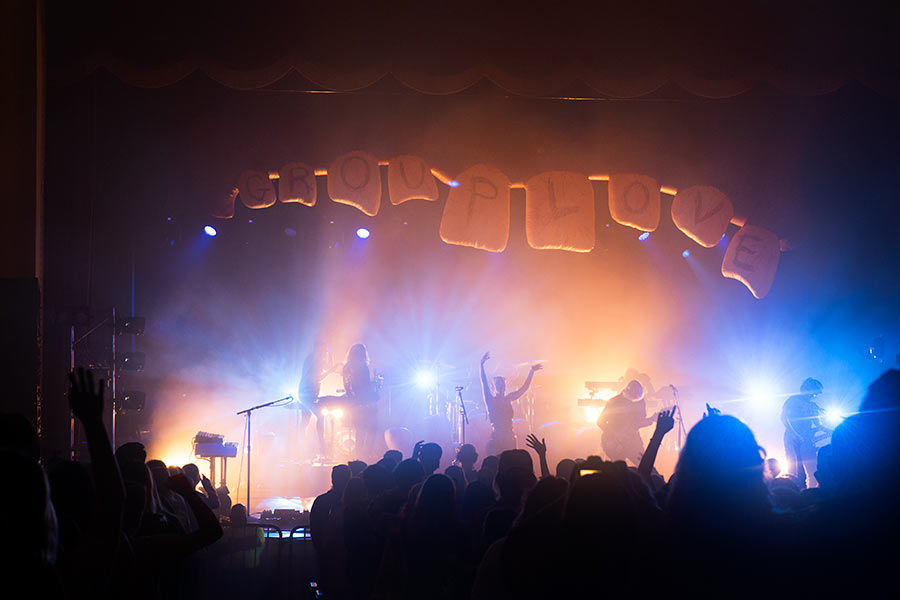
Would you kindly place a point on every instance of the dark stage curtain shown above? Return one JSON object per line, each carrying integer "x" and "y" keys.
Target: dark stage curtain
{"x": 613, "y": 49}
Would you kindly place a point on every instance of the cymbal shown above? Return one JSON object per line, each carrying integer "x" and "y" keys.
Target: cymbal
{"x": 528, "y": 363}
{"x": 436, "y": 364}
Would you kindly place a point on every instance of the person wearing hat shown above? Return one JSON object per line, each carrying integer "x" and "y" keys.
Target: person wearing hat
{"x": 800, "y": 416}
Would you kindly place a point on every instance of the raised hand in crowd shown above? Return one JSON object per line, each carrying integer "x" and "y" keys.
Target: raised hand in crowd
{"x": 212, "y": 496}
{"x": 86, "y": 402}
{"x": 540, "y": 448}
{"x": 181, "y": 485}
{"x": 665, "y": 422}
{"x": 417, "y": 449}
{"x": 209, "y": 528}
{"x": 711, "y": 411}
{"x": 85, "y": 399}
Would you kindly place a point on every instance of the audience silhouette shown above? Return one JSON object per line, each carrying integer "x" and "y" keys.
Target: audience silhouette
{"x": 123, "y": 526}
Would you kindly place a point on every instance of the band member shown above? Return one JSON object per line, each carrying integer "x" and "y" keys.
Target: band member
{"x": 362, "y": 396}
{"x": 316, "y": 366}
{"x": 800, "y": 416}
{"x": 500, "y": 410}
{"x": 621, "y": 421}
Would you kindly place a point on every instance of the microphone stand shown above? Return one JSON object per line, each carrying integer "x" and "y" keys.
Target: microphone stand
{"x": 465, "y": 417}
{"x": 247, "y": 412}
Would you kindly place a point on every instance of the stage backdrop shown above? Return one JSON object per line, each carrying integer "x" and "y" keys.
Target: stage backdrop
{"x": 132, "y": 174}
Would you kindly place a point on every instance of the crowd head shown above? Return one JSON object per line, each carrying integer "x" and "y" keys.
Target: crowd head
{"x": 398, "y": 528}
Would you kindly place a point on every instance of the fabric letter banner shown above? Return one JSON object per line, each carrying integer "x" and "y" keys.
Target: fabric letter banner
{"x": 476, "y": 213}
{"x": 297, "y": 183}
{"x": 752, "y": 258}
{"x": 634, "y": 201}
{"x": 256, "y": 189}
{"x": 221, "y": 205}
{"x": 410, "y": 178}
{"x": 355, "y": 179}
{"x": 702, "y": 213}
{"x": 559, "y": 212}
{"x": 559, "y": 207}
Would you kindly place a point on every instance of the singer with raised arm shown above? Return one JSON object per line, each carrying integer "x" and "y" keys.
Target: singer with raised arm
{"x": 499, "y": 408}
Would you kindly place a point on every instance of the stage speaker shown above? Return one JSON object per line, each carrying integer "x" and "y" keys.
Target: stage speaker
{"x": 20, "y": 346}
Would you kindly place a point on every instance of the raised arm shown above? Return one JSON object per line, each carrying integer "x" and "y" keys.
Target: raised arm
{"x": 664, "y": 424}
{"x": 485, "y": 387}
{"x": 168, "y": 548}
{"x": 212, "y": 497}
{"x": 540, "y": 448}
{"x": 519, "y": 392}
{"x": 86, "y": 401}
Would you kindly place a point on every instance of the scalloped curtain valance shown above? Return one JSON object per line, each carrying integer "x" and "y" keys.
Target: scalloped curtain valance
{"x": 711, "y": 50}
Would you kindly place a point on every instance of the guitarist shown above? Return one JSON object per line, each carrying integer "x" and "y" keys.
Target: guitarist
{"x": 621, "y": 421}
{"x": 800, "y": 417}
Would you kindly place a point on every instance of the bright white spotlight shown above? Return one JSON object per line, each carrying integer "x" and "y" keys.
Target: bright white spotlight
{"x": 362, "y": 233}
{"x": 833, "y": 416}
{"x": 591, "y": 413}
{"x": 210, "y": 231}
{"x": 762, "y": 394}
{"x": 337, "y": 413}
{"x": 425, "y": 378}
{"x": 644, "y": 236}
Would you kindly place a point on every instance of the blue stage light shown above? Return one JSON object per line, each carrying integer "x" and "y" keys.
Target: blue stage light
{"x": 644, "y": 236}
{"x": 686, "y": 253}
{"x": 210, "y": 231}
{"x": 362, "y": 233}
{"x": 833, "y": 416}
{"x": 453, "y": 183}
